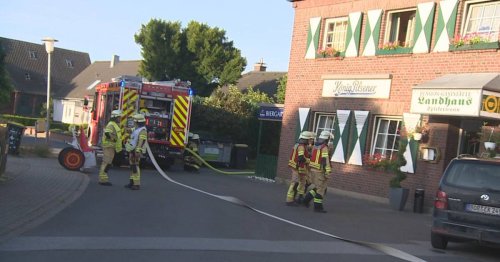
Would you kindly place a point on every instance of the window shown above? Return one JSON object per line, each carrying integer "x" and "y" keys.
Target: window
{"x": 483, "y": 19}
{"x": 33, "y": 55}
{"x": 69, "y": 63}
{"x": 335, "y": 33}
{"x": 324, "y": 122}
{"x": 27, "y": 76}
{"x": 386, "y": 137}
{"x": 400, "y": 27}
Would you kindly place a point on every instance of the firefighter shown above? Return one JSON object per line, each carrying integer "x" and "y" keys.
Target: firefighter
{"x": 320, "y": 172}
{"x": 308, "y": 181}
{"x": 298, "y": 161}
{"x": 136, "y": 147}
{"x": 111, "y": 143}
{"x": 191, "y": 162}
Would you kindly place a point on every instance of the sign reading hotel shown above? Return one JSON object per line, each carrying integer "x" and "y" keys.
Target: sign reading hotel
{"x": 450, "y": 102}
{"x": 357, "y": 88}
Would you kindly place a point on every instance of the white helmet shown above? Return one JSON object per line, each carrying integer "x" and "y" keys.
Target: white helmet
{"x": 307, "y": 135}
{"x": 116, "y": 113}
{"x": 195, "y": 136}
{"x": 325, "y": 135}
{"x": 139, "y": 118}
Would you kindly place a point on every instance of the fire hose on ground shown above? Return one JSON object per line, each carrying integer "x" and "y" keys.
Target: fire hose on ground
{"x": 215, "y": 169}
{"x": 379, "y": 247}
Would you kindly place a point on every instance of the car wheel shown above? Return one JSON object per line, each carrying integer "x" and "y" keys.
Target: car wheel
{"x": 438, "y": 241}
{"x": 71, "y": 158}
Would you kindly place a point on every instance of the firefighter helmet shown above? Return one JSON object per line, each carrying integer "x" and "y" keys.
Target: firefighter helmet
{"x": 195, "y": 136}
{"x": 116, "y": 113}
{"x": 307, "y": 135}
{"x": 139, "y": 118}
{"x": 325, "y": 135}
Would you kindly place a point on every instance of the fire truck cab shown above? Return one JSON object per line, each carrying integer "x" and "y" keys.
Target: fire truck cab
{"x": 166, "y": 106}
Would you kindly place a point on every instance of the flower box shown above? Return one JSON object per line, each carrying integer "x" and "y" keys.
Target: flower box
{"x": 477, "y": 46}
{"x": 395, "y": 51}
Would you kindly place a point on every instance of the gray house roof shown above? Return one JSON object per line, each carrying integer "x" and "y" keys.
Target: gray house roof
{"x": 259, "y": 79}
{"x": 26, "y": 64}
{"x": 101, "y": 71}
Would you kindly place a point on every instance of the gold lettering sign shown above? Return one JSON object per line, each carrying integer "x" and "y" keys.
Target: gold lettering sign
{"x": 491, "y": 104}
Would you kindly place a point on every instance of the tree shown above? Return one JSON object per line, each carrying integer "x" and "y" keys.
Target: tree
{"x": 280, "y": 92}
{"x": 5, "y": 84}
{"x": 198, "y": 53}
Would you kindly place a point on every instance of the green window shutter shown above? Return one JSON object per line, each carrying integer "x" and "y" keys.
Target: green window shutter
{"x": 423, "y": 27}
{"x": 358, "y": 137}
{"x": 447, "y": 17}
{"x": 410, "y": 121}
{"x": 313, "y": 37}
{"x": 372, "y": 33}
{"x": 341, "y": 136}
{"x": 353, "y": 34}
{"x": 303, "y": 120}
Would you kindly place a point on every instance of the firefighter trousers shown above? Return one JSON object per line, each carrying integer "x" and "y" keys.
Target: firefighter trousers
{"x": 301, "y": 179}
{"x": 107, "y": 159}
{"x": 134, "y": 159}
{"x": 320, "y": 180}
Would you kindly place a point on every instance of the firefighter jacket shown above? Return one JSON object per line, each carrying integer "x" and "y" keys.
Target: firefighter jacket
{"x": 320, "y": 159}
{"x": 299, "y": 158}
{"x": 137, "y": 142}
{"x": 112, "y": 136}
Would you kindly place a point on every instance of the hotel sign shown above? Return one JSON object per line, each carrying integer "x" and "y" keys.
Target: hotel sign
{"x": 457, "y": 102}
{"x": 490, "y": 104}
{"x": 357, "y": 88}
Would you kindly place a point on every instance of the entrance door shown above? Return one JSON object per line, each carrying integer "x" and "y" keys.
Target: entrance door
{"x": 470, "y": 137}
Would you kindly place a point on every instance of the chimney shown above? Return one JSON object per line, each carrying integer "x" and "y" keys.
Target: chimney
{"x": 114, "y": 60}
{"x": 260, "y": 66}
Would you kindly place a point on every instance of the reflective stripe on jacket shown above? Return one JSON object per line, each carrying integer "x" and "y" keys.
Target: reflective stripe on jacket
{"x": 299, "y": 150}
{"x": 115, "y": 136}
{"x": 318, "y": 155}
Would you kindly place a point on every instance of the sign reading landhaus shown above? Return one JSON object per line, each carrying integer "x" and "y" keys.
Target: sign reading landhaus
{"x": 460, "y": 102}
{"x": 357, "y": 88}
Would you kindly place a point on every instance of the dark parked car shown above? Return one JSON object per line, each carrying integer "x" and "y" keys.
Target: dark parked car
{"x": 467, "y": 205}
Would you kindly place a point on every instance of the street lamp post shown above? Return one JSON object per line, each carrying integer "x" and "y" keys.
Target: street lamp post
{"x": 49, "y": 47}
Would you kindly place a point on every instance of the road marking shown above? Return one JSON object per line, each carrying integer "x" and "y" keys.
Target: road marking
{"x": 382, "y": 248}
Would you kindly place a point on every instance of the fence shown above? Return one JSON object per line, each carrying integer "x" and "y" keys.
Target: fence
{"x": 266, "y": 166}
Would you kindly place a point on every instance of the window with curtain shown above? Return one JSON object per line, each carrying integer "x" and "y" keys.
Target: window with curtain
{"x": 483, "y": 19}
{"x": 335, "y": 33}
{"x": 400, "y": 27}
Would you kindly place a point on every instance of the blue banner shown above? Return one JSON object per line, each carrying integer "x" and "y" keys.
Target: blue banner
{"x": 271, "y": 113}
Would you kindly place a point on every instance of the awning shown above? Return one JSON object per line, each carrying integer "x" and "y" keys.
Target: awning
{"x": 471, "y": 94}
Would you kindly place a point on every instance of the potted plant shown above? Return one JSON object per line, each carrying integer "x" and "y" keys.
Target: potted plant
{"x": 397, "y": 194}
{"x": 487, "y": 137}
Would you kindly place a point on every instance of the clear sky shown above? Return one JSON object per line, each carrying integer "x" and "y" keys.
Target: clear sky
{"x": 259, "y": 28}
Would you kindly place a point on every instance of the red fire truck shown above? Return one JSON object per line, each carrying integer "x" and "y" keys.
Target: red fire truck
{"x": 166, "y": 106}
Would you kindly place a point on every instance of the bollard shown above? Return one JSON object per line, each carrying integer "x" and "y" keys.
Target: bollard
{"x": 418, "y": 203}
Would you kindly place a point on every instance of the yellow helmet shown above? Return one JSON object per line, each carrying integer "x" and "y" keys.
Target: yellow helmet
{"x": 139, "y": 118}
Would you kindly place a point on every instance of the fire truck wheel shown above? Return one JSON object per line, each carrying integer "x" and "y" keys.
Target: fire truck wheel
{"x": 71, "y": 158}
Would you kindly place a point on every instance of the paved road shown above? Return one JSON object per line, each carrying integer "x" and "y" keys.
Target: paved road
{"x": 49, "y": 214}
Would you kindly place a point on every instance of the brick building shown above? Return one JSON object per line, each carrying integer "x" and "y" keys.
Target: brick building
{"x": 376, "y": 71}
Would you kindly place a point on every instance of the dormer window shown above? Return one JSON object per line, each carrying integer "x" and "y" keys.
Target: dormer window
{"x": 69, "y": 63}
{"x": 33, "y": 55}
{"x": 27, "y": 76}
